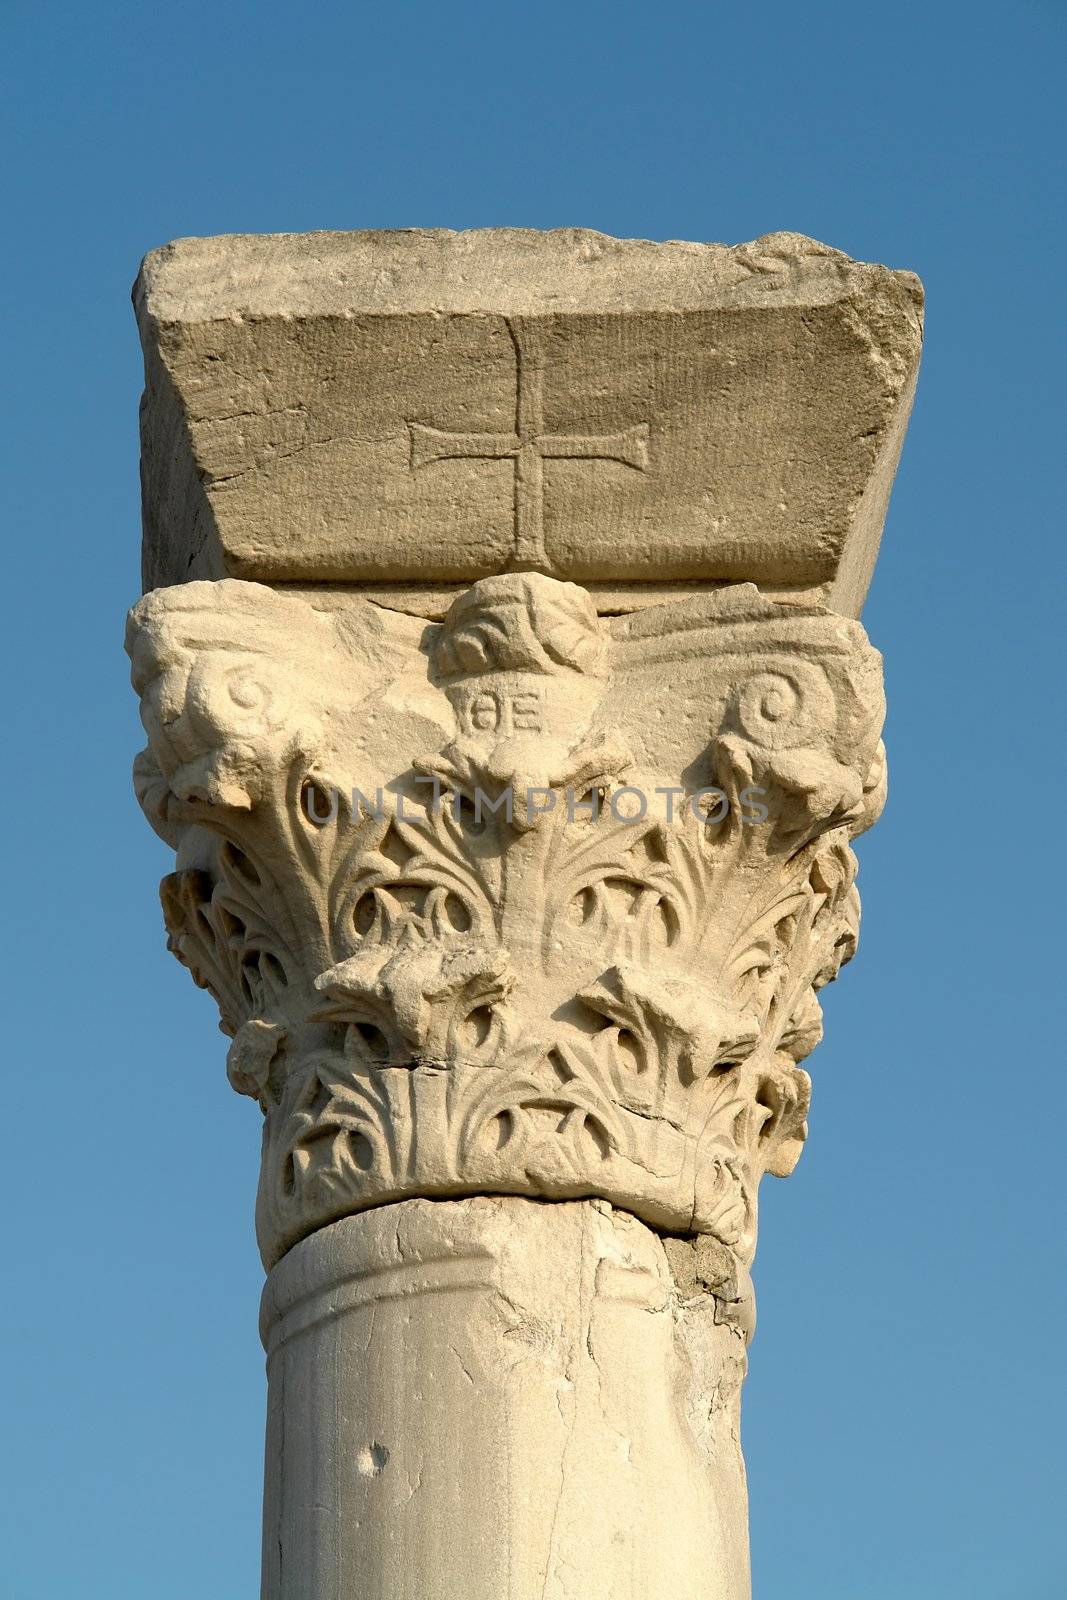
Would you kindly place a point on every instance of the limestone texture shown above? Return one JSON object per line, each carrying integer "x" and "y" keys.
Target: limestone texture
{"x": 425, "y": 408}
{"x": 489, "y": 1397}
{"x": 508, "y": 714}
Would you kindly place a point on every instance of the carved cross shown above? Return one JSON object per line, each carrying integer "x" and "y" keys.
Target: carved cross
{"x": 529, "y": 447}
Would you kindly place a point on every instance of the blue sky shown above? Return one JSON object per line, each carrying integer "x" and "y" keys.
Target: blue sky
{"x": 905, "y": 1411}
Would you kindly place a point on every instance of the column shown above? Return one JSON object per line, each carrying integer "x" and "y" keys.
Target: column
{"x": 509, "y": 715}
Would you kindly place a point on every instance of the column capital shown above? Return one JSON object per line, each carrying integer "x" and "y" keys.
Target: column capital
{"x": 530, "y": 902}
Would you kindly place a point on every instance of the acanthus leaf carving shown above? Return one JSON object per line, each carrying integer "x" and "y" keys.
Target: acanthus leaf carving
{"x": 448, "y": 993}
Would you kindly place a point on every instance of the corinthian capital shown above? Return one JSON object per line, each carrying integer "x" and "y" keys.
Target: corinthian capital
{"x": 530, "y": 901}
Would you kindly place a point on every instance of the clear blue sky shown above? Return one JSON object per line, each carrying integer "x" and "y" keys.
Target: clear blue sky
{"x": 905, "y": 1411}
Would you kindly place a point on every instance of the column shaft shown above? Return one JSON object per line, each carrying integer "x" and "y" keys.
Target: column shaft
{"x": 496, "y": 1397}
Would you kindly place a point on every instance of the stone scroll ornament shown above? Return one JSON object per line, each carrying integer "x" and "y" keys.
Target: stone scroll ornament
{"x": 528, "y": 902}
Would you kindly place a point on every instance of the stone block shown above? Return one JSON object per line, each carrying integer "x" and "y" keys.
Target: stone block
{"x": 422, "y": 409}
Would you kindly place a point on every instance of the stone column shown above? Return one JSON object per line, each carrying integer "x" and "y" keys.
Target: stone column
{"x": 508, "y": 714}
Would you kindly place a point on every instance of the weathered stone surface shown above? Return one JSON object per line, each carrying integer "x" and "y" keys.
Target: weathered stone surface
{"x": 484, "y": 1398}
{"x": 517, "y": 917}
{"x": 426, "y": 408}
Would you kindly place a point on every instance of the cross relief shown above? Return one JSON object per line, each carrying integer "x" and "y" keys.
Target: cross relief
{"x": 529, "y": 447}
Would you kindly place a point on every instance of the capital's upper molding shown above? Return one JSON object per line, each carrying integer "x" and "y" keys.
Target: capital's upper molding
{"x": 419, "y": 410}
{"x": 531, "y": 901}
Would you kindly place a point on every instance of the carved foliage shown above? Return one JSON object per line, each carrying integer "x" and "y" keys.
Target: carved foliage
{"x": 458, "y": 994}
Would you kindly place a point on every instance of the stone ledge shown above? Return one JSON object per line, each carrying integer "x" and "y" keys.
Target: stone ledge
{"x": 428, "y": 407}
